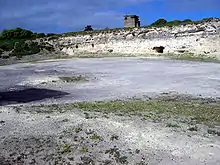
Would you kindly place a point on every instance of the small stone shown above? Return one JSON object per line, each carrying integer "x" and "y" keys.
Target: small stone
{"x": 87, "y": 160}
{"x": 65, "y": 120}
{"x": 195, "y": 128}
{"x": 214, "y": 132}
{"x": 12, "y": 154}
{"x": 19, "y": 157}
{"x": 48, "y": 117}
{"x": 137, "y": 151}
{"x": 71, "y": 158}
{"x": 107, "y": 162}
{"x": 33, "y": 161}
{"x": 75, "y": 138}
{"x": 2, "y": 122}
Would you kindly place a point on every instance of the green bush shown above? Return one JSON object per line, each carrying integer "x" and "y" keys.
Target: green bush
{"x": 174, "y": 23}
{"x": 187, "y": 21}
{"x": 50, "y": 34}
{"x": 159, "y": 22}
{"x": 16, "y": 33}
{"x": 19, "y": 42}
{"x": 8, "y": 45}
{"x": 163, "y": 22}
{"x": 207, "y": 19}
{"x": 41, "y": 35}
{"x": 23, "y": 48}
{"x": 88, "y": 28}
{"x": 19, "y": 33}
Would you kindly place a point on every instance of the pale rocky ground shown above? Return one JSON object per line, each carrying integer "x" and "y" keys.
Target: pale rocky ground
{"x": 78, "y": 137}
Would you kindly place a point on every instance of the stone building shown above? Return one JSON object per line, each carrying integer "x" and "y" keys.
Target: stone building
{"x": 131, "y": 21}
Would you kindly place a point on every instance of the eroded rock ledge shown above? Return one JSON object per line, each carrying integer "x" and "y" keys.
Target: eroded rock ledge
{"x": 203, "y": 38}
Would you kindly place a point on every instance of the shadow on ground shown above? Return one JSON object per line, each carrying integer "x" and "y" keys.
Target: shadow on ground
{"x": 28, "y": 95}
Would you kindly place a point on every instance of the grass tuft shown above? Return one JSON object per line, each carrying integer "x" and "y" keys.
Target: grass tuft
{"x": 172, "y": 125}
{"x": 73, "y": 79}
{"x": 66, "y": 149}
{"x": 84, "y": 149}
{"x": 95, "y": 137}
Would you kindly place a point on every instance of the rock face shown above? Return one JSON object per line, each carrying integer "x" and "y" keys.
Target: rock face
{"x": 203, "y": 38}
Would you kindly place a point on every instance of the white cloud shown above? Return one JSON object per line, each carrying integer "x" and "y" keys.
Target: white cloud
{"x": 67, "y": 13}
{"x": 62, "y": 15}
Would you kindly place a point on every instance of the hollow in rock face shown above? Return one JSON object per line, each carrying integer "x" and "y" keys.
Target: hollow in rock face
{"x": 159, "y": 49}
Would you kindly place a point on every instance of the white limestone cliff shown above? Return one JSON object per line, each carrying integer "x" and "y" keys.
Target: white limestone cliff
{"x": 203, "y": 38}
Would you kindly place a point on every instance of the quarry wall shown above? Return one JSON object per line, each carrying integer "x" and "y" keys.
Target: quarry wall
{"x": 203, "y": 38}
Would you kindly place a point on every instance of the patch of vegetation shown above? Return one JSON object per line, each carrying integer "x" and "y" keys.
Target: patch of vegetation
{"x": 66, "y": 148}
{"x": 87, "y": 116}
{"x": 207, "y": 19}
{"x": 159, "y": 22}
{"x": 20, "y": 42}
{"x": 21, "y": 49}
{"x": 84, "y": 150}
{"x": 116, "y": 153}
{"x": 88, "y": 28}
{"x": 193, "y": 57}
{"x": 204, "y": 111}
{"x": 137, "y": 151}
{"x": 72, "y": 79}
{"x": 95, "y": 137}
{"x": 122, "y": 160}
{"x": 193, "y": 129}
{"x": 7, "y": 45}
{"x": 78, "y": 129}
{"x": 87, "y": 160}
{"x": 187, "y": 21}
{"x": 16, "y": 33}
{"x": 214, "y": 132}
{"x": 172, "y": 125}
{"x": 174, "y": 23}
{"x": 162, "y": 22}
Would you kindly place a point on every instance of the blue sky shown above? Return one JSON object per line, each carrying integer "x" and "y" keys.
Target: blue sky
{"x": 59, "y": 16}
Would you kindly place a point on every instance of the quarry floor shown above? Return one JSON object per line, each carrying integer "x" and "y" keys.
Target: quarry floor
{"x": 95, "y": 137}
{"x": 110, "y": 78}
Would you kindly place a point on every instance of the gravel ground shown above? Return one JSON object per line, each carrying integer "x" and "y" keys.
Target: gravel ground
{"x": 80, "y": 137}
{"x": 74, "y": 138}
